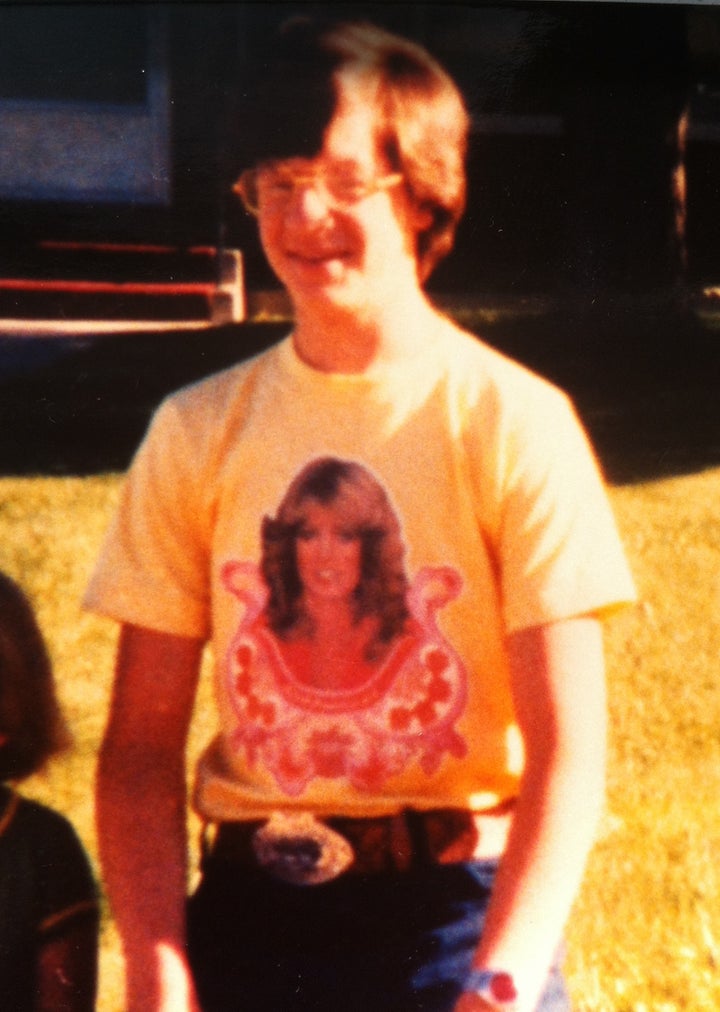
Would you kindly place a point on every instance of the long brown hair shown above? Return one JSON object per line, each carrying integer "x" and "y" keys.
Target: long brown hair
{"x": 366, "y": 510}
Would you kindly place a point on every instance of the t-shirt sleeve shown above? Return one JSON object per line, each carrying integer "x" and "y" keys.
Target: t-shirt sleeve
{"x": 153, "y": 566}
{"x": 557, "y": 545}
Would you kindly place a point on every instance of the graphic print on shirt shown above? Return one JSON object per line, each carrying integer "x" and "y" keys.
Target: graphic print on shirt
{"x": 338, "y": 667}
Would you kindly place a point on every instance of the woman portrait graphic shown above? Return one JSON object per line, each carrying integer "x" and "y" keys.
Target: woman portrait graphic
{"x": 333, "y": 563}
{"x": 338, "y": 668}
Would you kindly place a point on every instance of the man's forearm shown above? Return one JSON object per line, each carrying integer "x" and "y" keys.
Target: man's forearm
{"x": 559, "y": 692}
{"x": 143, "y": 851}
{"x": 539, "y": 878}
{"x": 141, "y": 812}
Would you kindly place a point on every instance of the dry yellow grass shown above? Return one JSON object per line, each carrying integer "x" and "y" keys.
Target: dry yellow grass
{"x": 645, "y": 934}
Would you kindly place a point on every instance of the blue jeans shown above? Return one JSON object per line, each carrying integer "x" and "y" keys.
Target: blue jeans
{"x": 392, "y": 942}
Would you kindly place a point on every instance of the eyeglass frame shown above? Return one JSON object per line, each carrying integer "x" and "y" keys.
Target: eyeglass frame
{"x": 247, "y": 183}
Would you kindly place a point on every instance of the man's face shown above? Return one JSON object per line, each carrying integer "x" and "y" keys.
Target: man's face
{"x": 339, "y": 253}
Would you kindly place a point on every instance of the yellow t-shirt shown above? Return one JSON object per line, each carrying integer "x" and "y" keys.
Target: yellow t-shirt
{"x": 492, "y": 518}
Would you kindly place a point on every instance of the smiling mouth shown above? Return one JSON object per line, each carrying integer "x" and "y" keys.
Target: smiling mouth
{"x": 314, "y": 258}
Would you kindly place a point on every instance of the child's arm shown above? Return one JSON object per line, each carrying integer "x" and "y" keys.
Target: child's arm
{"x": 67, "y": 966}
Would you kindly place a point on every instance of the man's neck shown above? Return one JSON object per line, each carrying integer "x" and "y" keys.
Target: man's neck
{"x": 340, "y": 342}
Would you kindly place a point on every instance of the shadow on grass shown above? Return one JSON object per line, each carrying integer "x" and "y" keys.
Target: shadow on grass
{"x": 646, "y": 386}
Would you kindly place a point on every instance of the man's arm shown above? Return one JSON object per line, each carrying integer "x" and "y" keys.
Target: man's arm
{"x": 559, "y": 693}
{"x": 141, "y": 813}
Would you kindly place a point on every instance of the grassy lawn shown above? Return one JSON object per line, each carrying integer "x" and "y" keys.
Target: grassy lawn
{"x": 645, "y": 934}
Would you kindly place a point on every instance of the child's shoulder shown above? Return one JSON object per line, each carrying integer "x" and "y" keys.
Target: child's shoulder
{"x": 41, "y": 823}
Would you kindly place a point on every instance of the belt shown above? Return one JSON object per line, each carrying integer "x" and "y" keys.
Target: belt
{"x": 306, "y": 850}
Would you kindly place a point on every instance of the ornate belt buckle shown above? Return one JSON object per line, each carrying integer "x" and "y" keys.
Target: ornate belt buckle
{"x": 296, "y": 847}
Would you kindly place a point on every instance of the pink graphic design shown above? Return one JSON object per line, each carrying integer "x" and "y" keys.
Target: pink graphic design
{"x": 338, "y": 668}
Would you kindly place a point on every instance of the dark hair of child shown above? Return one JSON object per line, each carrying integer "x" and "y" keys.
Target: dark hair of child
{"x": 30, "y": 717}
{"x": 49, "y": 912}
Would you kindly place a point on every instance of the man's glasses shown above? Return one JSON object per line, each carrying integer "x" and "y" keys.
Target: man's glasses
{"x": 273, "y": 187}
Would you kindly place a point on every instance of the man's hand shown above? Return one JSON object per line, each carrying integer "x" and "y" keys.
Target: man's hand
{"x": 176, "y": 987}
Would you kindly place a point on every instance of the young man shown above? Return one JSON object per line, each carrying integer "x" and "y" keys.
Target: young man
{"x": 406, "y": 829}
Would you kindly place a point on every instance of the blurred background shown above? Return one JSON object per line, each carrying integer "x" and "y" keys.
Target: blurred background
{"x": 589, "y": 248}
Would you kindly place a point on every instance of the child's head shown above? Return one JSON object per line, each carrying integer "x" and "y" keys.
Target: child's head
{"x": 31, "y": 725}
